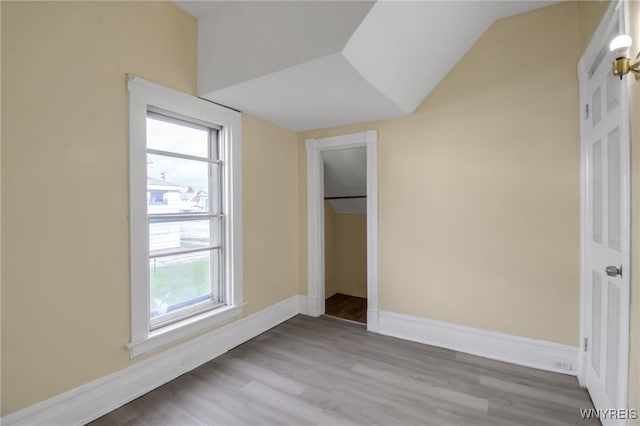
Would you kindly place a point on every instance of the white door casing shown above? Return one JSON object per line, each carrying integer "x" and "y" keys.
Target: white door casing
{"x": 605, "y": 214}
{"x": 315, "y": 219}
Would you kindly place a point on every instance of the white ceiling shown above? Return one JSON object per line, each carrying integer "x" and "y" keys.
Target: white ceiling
{"x": 314, "y": 64}
{"x": 345, "y": 174}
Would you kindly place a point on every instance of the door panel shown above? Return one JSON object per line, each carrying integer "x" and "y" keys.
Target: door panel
{"x": 596, "y": 345}
{"x": 607, "y": 309}
{"x": 596, "y": 101}
{"x": 612, "y": 94}
{"x": 613, "y": 330}
{"x": 597, "y": 192}
{"x": 613, "y": 188}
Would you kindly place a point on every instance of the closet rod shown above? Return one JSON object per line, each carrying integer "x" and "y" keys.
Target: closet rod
{"x": 345, "y": 197}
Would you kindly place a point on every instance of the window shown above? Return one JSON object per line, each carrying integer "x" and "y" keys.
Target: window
{"x": 185, "y": 245}
{"x": 185, "y": 215}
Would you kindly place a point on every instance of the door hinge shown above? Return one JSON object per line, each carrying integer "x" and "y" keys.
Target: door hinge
{"x": 586, "y": 344}
{"x": 586, "y": 111}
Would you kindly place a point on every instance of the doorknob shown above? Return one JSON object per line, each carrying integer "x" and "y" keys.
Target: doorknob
{"x": 612, "y": 271}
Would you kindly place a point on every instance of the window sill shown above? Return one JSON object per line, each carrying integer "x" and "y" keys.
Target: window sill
{"x": 177, "y": 331}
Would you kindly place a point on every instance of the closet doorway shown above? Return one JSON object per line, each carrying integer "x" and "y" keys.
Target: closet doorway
{"x": 345, "y": 233}
{"x": 348, "y": 207}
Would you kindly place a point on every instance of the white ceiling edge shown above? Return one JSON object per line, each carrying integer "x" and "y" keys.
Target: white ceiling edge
{"x": 397, "y": 55}
{"x": 324, "y": 92}
{"x": 405, "y": 49}
{"x": 242, "y": 40}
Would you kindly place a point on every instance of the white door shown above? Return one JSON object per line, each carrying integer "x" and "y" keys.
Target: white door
{"x": 607, "y": 277}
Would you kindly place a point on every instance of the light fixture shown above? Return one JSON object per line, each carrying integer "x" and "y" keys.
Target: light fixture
{"x": 622, "y": 65}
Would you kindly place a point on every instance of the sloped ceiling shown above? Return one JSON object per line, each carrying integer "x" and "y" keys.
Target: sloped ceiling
{"x": 314, "y": 64}
{"x": 345, "y": 174}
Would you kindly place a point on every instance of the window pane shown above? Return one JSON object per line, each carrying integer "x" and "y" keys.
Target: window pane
{"x": 172, "y": 236}
{"x": 175, "y": 185}
{"x": 173, "y": 137}
{"x": 182, "y": 281}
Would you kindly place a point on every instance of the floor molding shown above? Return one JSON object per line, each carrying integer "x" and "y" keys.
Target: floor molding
{"x": 373, "y": 317}
{"x": 94, "y": 399}
{"x": 303, "y": 304}
{"x": 538, "y": 354}
{"x": 392, "y": 382}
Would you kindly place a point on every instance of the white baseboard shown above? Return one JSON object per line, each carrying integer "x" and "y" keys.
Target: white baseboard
{"x": 315, "y": 307}
{"x": 303, "y": 304}
{"x": 94, "y": 399}
{"x": 372, "y": 320}
{"x": 502, "y": 347}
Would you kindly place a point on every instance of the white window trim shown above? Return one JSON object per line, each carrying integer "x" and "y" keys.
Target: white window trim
{"x": 142, "y": 95}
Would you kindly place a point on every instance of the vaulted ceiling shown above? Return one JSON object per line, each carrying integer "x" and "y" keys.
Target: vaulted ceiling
{"x": 313, "y": 64}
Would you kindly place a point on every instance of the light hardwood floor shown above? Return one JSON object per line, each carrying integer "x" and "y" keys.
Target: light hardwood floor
{"x": 325, "y": 371}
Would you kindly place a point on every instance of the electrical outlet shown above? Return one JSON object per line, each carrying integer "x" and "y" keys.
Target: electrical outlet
{"x": 561, "y": 364}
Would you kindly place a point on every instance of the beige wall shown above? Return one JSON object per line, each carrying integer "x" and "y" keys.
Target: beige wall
{"x": 590, "y": 14}
{"x": 478, "y": 224}
{"x": 634, "y": 358}
{"x": 65, "y": 249}
{"x": 64, "y": 186}
{"x": 345, "y": 253}
{"x": 270, "y": 213}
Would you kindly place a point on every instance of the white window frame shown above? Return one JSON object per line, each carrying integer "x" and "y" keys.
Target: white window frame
{"x": 144, "y": 96}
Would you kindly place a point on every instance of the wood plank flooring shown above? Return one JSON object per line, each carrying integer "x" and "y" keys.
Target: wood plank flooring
{"x": 324, "y": 371}
{"x": 347, "y": 307}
